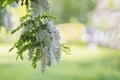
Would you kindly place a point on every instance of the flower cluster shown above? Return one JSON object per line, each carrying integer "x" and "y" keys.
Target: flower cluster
{"x": 39, "y": 37}
{"x": 48, "y": 35}
{"x": 51, "y": 45}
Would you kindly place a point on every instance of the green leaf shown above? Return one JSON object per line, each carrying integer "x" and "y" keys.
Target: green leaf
{"x": 48, "y": 16}
{"x": 21, "y": 56}
{"x": 65, "y": 48}
{"x": 34, "y": 65}
{"x": 18, "y": 28}
{"x": 13, "y": 31}
{"x": 11, "y": 49}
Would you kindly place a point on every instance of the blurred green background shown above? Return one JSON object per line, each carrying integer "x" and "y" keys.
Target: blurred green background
{"x": 93, "y": 56}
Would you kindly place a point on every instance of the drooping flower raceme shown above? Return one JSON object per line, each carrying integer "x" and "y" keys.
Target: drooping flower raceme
{"x": 49, "y": 36}
{"x": 39, "y": 36}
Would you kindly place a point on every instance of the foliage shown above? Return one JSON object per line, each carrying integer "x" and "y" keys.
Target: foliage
{"x": 65, "y": 48}
{"x": 66, "y": 10}
{"x": 28, "y": 39}
{"x": 5, "y": 3}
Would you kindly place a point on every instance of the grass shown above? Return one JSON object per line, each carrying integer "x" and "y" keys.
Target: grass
{"x": 82, "y": 64}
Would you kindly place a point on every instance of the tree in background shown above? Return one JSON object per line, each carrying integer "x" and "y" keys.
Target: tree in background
{"x": 105, "y": 24}
{"x": 73, "y": 9}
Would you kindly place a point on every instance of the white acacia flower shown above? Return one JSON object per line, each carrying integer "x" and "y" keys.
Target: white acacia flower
{"x": 48, "y": 37}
